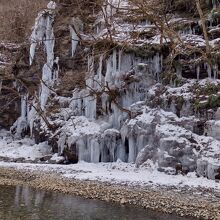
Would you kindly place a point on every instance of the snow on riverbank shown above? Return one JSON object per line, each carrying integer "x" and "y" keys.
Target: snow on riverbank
{"x": 16, "y": 151}
{"x": 25, "y": 148}
{"x": 119, "y": 173}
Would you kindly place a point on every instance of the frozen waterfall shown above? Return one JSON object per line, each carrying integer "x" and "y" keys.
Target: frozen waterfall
{"x": 42, "y": 35}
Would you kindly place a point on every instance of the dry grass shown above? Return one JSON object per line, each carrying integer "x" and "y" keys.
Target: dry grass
{"x": 17, "y": 18}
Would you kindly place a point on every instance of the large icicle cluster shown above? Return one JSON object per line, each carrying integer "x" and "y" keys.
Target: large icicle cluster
{"x": 42, "y": 34}
{"x": 114, "y": 117}
{"x": 114, "y": 74}
{"x": 124, "y": 74}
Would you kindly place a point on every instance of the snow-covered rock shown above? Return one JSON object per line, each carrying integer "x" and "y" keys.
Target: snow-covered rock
{"x": 213, "y": 128}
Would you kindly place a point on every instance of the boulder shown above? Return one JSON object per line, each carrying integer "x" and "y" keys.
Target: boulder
{"x": 146, "y": 153}
{"x": 209, "y": 168}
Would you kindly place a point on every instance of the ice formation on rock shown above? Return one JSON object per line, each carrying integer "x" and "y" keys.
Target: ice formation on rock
{"x": 75, "y": 39}
{"x": 42, "y": 34}
{"x": 113, "y": 144}
{"x": 155, "y": 134}
{"x": 52, "y": 5}
{"x": 21, "y": 124}
{"x": 75, "y": 28}
{"x": 119, "y": 114}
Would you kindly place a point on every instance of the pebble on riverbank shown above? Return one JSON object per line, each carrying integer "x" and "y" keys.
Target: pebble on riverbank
{"x": 158, "y": 200}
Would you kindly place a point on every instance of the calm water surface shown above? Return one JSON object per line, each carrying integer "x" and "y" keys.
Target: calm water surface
{"x": 24, "y": 203}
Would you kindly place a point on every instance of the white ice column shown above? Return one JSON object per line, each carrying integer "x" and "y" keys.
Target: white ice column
{"x": 132, "y": 150}
{"x": 215, "y": 71}
{"x": 198, "y": 71}
{"x": 157, "y": 65}
{"x": 209, "y": 70}
{"x": 109, "y": 69}
{"x": 95, "y": 151}
{"x": 24, "y": 107}
{"x": 74, "y": 39}
{"x": 100, "y": 69}
{"x": 31, "y": 116}
{"x": 45, "y": 85}
{"x": 90, "y": 107}
{"x": 43, "y": 34}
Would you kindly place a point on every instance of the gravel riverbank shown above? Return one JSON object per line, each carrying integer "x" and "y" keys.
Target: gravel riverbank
{"x": 198, "y": 203}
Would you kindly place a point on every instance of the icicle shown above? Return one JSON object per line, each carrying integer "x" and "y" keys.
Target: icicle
{"x": 112, "y": 142}
{"x": 209, "y": 70}
{"x": 83, "y": 151}
{"x": 198, "y": 71}
{"x": 115, "y": 119}
{"x": 43, "y": 33}
{"x": 119, "y": 60}
{"x": 110, "y": 7}
{"x": 100, "y": 76}
{"x": 45, "y": 85}
{"x": 49, "y": 42}
{"x": 75, "y": 40}
{"x": 140, "y": 143}
{"x": 121, "y": 154}
{"x": 215, "y": 71}
{"x": 157, "y": 65}
{"x": 95, "y": 151}
{"x": 114, "y": 62}
{"x": 32, "y": 52}
{"x": 145, "y": 22}
{"x": 0, "y": 86}
{"x": 75, "y": 29}
{"x": 91, "y": 65}
{"x": 52, "y": 5}
{"x": 31, "y": 117}
{"x": 214, "y": 4}
{"x": 132, "y": 151}
{"x": 108, "y": 77}
{"x": 61, "y": 143}
{"x": 90, "y": 107}
{"x": 21, "y": 124}
{"x": 24, "y": 107}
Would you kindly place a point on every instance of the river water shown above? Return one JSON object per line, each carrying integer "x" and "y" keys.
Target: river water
{"x": 25, "y": 203}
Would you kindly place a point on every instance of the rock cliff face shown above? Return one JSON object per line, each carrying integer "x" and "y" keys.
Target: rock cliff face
{"x": 9, "y": 98}
{"x": 114, "y": 83}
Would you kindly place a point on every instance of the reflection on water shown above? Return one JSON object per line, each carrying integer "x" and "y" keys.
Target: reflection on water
{"x": 24, "y": 203}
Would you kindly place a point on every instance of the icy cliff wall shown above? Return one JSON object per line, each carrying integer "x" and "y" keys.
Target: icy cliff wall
{"x": 126, "y": 104}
